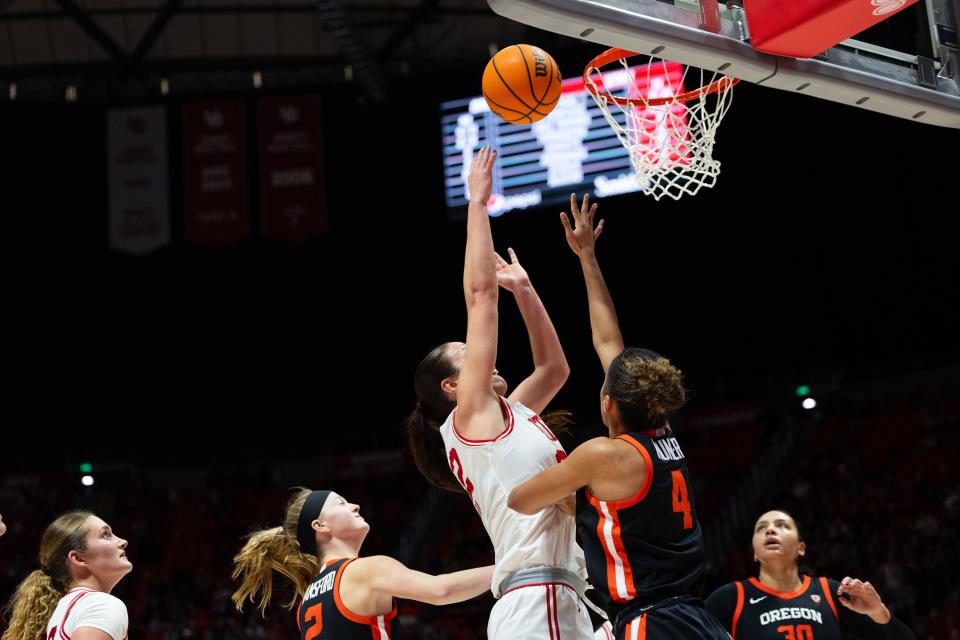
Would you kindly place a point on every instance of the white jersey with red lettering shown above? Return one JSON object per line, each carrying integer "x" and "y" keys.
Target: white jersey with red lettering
{"x": 488, "y": 470}
{"x": 87, "y": 608}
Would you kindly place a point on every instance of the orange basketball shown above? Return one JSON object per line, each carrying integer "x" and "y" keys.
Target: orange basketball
{"x": 521, "y": 84}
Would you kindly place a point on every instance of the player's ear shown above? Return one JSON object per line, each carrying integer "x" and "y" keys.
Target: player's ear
{"x": 449, "y": 387}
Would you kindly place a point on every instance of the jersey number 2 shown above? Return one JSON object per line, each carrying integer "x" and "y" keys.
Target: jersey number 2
{"x": 457, "y": 468}
{"x": 314, "y": 613}
{"x": 681, "y": 501}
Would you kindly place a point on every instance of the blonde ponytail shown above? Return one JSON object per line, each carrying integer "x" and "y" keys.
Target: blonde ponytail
{"x": 32, "y": 604}
{"x": 272, "y": 550}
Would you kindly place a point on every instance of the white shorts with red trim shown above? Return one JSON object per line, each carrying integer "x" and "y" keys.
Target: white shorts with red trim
{"x": 550, "y": 611}
{"x": 604, "y": 631}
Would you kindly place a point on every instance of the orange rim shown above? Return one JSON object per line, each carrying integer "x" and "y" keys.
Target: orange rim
{"x": 612, "y": 55}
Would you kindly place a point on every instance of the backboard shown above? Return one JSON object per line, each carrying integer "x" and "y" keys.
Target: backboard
{"x": 922, "y": 84}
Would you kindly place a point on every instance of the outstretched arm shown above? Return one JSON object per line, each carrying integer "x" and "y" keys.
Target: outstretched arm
{"x": 581, "y": 236}
{"x": 550, "y": 368}
{"x": 388, "y": 576}
{"x": 478, "y": 411}
{"x": 554, "y": 484}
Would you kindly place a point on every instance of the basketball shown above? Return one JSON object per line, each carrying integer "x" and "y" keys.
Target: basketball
{"x": 521, "y": 84}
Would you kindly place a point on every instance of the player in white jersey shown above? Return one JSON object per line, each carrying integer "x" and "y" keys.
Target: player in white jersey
{"x": 68, "y": 597}
{"x": 84, "y": 613}
{"x": 463, "y": 424}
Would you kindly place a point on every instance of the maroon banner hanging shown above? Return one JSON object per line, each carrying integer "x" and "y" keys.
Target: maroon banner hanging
{"x": 215, "y": 156}
{"x": 291, "y": 170}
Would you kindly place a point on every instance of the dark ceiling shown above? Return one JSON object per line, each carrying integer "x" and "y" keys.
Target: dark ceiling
{"x": 126, "y": 48}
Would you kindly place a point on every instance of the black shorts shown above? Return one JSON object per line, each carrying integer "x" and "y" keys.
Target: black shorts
{"x": 681, "y": 621}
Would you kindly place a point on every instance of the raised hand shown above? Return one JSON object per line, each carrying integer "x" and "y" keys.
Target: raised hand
{"x": 480, "y": 178}
{"x": 863, "y": 599}
{"x": 581, "y": 236}
{"x": 510, "y": 275}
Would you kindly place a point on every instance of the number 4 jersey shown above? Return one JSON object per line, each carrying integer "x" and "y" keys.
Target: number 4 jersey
{"x": 647, "y": 547}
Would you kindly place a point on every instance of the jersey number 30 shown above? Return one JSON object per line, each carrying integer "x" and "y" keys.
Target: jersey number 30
{"x": 797, "y": 632}
{"x": 681, "y": 501}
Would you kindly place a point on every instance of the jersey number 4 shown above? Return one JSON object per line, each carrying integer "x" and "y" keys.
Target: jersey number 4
{"x": 314, "y": 613}
{"x": 681, "y": 501}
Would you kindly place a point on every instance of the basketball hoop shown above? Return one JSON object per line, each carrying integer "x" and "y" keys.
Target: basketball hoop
{"x": 668, "y": 132}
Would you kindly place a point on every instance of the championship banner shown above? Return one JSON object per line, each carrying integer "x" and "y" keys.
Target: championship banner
{"x": 215, "y": 160}
{"x": 291, "y": 170}
{"x": 137, "y": 178}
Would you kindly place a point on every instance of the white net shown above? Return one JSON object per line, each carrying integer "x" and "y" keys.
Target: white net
{"x": 669, "y": 132}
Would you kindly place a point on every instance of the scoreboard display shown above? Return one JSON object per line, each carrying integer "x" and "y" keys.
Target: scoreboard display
{"x": 573, "y": 149}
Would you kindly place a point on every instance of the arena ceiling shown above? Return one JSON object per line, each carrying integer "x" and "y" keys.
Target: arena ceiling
{"x": 136, "y": 49}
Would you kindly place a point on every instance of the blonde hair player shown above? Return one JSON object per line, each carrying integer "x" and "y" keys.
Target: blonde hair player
{"x": 68, "y": 597}
{"x": 464, "y": 433}
{"x": 342, "y": 596}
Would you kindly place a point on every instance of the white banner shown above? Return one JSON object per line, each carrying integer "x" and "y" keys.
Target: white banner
{"x": 137, "y": 158}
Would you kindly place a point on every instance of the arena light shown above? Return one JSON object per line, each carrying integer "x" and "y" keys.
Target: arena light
{"x": 87, "y": 481}
{"x": 803, "y": 390}
{"x": 809, "y": 403}
{"x": 86, "y": 467}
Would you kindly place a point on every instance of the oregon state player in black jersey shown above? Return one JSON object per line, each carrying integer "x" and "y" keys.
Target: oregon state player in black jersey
{"x": 341, "y": 595}
{"x": 781, "y": 604}
{"x": 635, "y": 513}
